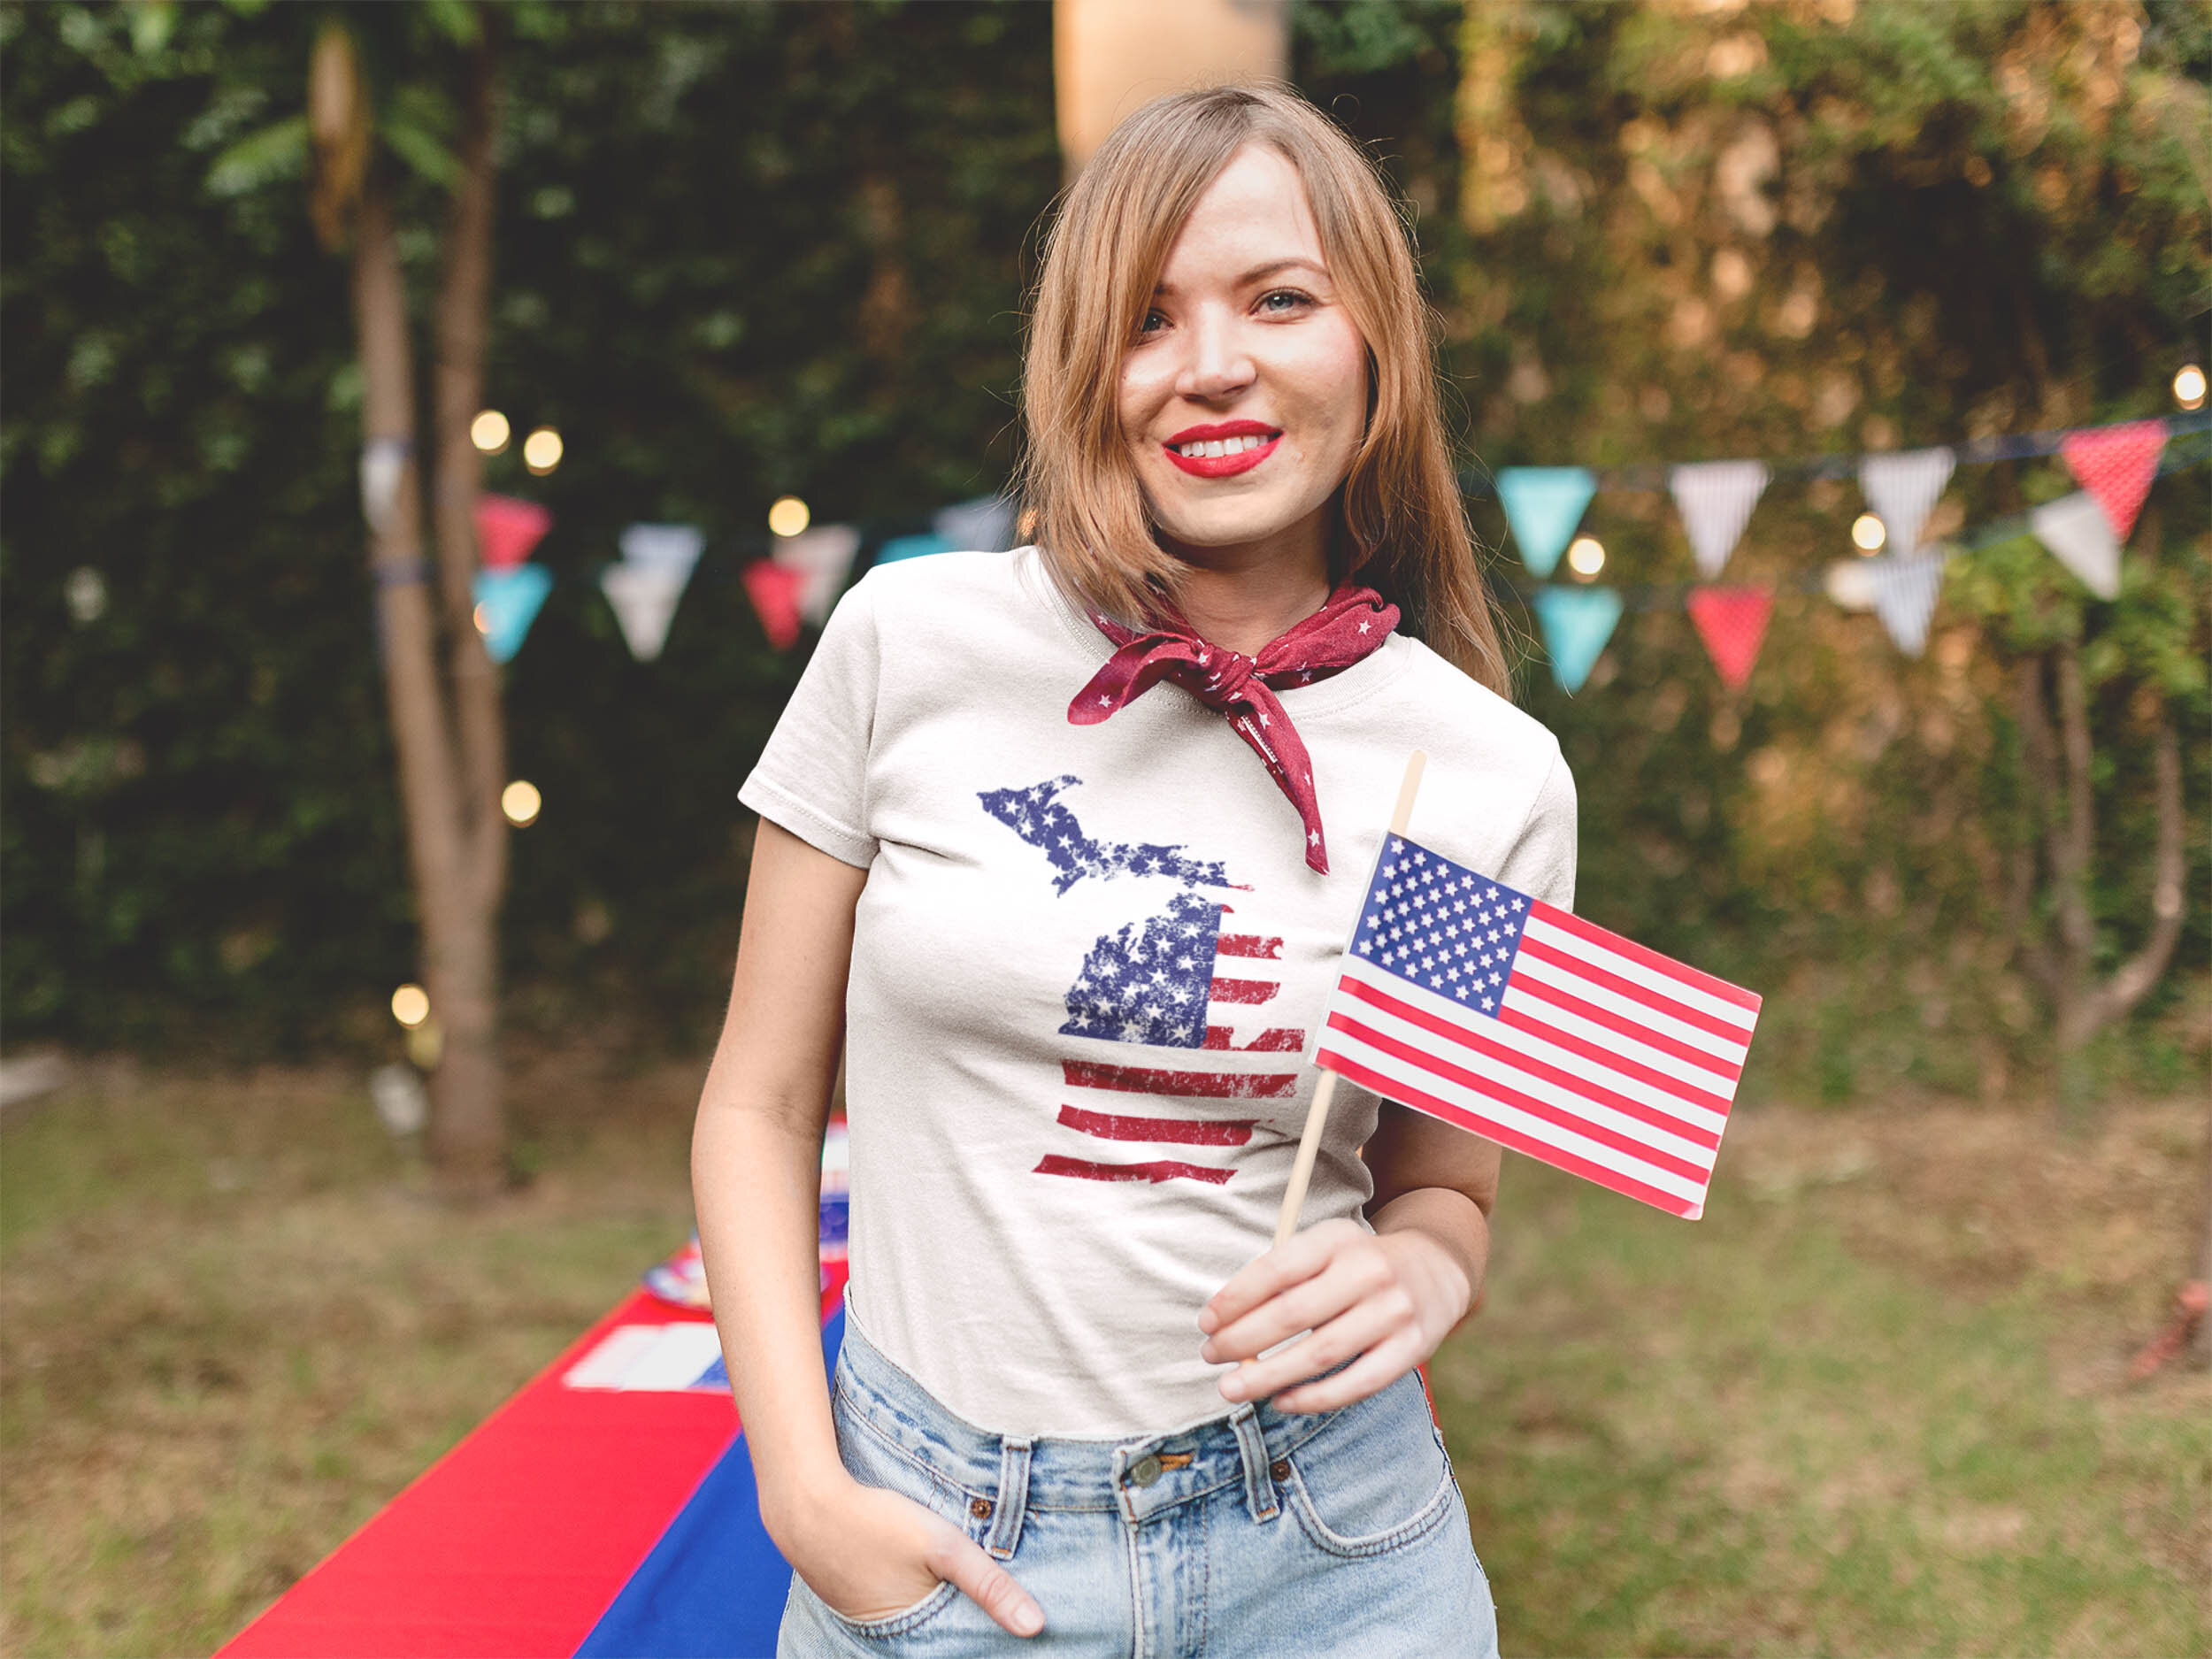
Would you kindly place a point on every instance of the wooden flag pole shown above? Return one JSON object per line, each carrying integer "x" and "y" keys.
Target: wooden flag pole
{"x": 1324, "y": 1091}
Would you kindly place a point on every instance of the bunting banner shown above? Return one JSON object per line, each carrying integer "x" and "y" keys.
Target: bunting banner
{"x": 2078, "y": 530}
{"x": 1544, "y": 504}
{"x": 823, "y": 557}
{"x": 669, "y": 547}
{"x": 1903, "y": 489}
{"x": 1715, "y": 499}
{"x": 774, "y": 590}
{"x": 1732, "y": 622}
{"x": 984, "y": 525}
{"x": 644, "y": 598}
{"x": 913, "y": 547}
{"x": 507, "y": 603}
{"x": 1905, "y": 590}
{"x": 383, "y": 461}
{"x": 2117, "y": 464}
{"x": 1576, "y": 622}
{"x": 507, "y": 529}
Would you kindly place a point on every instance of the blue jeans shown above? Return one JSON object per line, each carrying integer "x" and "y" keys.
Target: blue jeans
{"x": 1255, "y": 1533}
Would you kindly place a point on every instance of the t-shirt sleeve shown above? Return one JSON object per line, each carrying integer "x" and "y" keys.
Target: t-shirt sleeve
{"x": 812, "y": 778}
{"x": 1542, "y": 862}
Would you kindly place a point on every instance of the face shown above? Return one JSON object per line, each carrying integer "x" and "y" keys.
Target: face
{"x": 1244, "y": 395}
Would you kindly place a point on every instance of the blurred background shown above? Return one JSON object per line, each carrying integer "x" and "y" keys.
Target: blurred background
{"x": 1907, "y": 729}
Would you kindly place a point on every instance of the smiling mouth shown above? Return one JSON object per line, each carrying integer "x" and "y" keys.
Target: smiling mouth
{"x": 1223, "y": 456}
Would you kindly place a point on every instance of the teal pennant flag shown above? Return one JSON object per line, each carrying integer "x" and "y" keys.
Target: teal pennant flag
{"x": 507, "y": 603}
{"x": 1544, "y": 504}
{"x": 912, "y": 547}
{"x": 1577, "y": 622}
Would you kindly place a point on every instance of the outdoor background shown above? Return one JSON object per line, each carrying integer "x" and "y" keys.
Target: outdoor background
{"x": 1879, "y": 1400}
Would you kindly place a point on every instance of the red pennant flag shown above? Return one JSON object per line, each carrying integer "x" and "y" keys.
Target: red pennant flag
{"x": 1732, "y": 622}
{"x": 507, "y": 529}
{"x": 2117, "y": 464}
{"x": 774, "y": 590}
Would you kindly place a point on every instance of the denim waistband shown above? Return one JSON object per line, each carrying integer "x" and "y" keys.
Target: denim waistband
{"x": 1140, "y": 1476}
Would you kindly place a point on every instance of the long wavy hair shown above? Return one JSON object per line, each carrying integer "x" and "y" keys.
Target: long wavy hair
{"x": 1401, "y": 524}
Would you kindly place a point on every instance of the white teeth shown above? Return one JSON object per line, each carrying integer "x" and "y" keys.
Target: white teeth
{"x": 1221, "y": 446}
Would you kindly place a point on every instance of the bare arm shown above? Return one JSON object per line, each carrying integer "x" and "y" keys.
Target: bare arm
{"x": 756, "y": 1161}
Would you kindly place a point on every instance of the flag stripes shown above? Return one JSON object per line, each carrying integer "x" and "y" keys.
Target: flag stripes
{"x": 1492, "y": 1011}
{"x": 1222, "y": 1132}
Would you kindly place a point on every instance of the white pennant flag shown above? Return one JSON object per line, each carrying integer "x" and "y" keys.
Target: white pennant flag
{"x": 644, "y": 598}
{"x": 1905, "y": 590}
{"x": 823, "y": 557}
{"x": 984, "y": 525}
{"x": 672, "y": 546}
{"x": 1715, "y": 499}
{"x": 2076, "y": 529}
{"x": 1902, "y": 489}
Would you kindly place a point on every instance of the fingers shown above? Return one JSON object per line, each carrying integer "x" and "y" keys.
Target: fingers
{"x": 983, "y": 1581}
{"x": 1363, "y": 1326}
{"x": 1356, "y": 1275}
{"x": 1268, "y": 1275}
{"x": 1374, "y": 1371}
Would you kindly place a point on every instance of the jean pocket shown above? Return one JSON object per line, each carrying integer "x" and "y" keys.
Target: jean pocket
{"x": 1375, "y": 1479}
{"x": 886, "y": 1453}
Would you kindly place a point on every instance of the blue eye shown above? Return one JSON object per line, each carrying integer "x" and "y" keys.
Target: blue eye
{"x": 1294, "y": 301}
{"x": 1152, "y": 324}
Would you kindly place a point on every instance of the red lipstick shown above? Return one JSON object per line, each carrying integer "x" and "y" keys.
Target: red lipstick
{"x": 1241, "y": 460}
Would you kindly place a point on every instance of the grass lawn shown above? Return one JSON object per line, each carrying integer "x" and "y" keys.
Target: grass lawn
{"x": 1875, "y": 1403}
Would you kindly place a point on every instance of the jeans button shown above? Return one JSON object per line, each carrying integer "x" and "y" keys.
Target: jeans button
{"x": 1145, "y": 1471}
{"x": 980, "y": 1508}
{"x": 1279, "y": 1469}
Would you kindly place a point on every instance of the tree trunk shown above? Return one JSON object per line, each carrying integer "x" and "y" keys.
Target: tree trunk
{"x": 467, "y": 1132}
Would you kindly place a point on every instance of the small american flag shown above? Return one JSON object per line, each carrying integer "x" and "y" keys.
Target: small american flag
{"x": 1501, "y": 1014}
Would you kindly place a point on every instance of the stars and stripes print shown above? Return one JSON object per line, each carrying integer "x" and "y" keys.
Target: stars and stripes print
{"x": 1494, "y": 1011}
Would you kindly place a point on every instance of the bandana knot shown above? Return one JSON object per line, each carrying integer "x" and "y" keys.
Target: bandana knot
{"x": 1355, "y": 622}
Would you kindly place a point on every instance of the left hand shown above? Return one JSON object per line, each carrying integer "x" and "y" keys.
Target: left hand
{"x": 1388, "y": 1298}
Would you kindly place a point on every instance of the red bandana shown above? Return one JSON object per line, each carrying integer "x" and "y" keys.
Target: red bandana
{"x": 1354, "y": 621}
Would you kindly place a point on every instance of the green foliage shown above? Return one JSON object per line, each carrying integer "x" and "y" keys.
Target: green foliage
{"x": 740, "y": 252}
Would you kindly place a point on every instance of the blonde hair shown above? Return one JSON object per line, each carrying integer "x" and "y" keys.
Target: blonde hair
{"x": 1402, "y": 526}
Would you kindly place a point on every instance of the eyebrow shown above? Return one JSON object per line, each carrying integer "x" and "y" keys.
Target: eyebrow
{"x": 1261, "y": 273}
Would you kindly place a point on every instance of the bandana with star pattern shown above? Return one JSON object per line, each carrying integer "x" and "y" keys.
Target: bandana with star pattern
{"x": 1354, "y": 621}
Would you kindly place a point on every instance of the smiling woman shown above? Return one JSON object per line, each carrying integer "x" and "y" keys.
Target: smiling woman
{"x": 1072, "y": 933}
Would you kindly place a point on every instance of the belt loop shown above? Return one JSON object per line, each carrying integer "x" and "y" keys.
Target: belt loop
{"x": 1259, "y": 1486}
{"x": 1013, "y": 1498}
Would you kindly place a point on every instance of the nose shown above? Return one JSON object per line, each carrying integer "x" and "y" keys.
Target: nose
{"x": 1216, "y": 364}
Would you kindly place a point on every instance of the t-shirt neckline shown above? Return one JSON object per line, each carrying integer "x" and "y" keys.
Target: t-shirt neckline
{"x": 1372, "y": 674}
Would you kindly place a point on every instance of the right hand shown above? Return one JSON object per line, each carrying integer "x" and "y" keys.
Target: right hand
{"x": 869, "y": 1553}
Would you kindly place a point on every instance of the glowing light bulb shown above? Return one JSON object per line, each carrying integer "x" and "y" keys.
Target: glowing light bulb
{"x": 520, "y": 801}
{"x": 541, "y": 451}
{"x": 483, "y": 622}
{"x": 1869, "y": 533}
{"x": 2189, "y": 386}
{"x": 1585, "y": 557}
{"x": 489, "y": 431}
{"x": 410, "y": 1005}
{"x": 788, "y": 516}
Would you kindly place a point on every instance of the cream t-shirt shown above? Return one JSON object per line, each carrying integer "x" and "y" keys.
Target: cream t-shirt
{"x": 1088, "y": 967}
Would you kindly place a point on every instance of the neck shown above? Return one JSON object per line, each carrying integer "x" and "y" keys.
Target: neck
{"x": 1244, "y": 598}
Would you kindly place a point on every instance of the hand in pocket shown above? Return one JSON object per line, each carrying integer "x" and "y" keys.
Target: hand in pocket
{"x": 869, "y": 1554}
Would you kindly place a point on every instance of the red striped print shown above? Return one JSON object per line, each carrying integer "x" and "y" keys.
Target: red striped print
{"x": 1274, "y": 1040}
{"x": 1156, "y": 1172}
{"x": 1651, "y": 1075}
{"x": 1672, "y": 1047}
{"x": 1540, "y": 911}
{"x": 1136, "y": 1079}
{"x": 1220, "y": 1132}
{"x": 1583, "y": 968}
{"x": 1390, "y": 1088}
{"x": 1250, "y": 945}
{"x": 1531, "y": 1064}
{"x": 1245, "y": 990}
{"x": 1491, "y": 1086}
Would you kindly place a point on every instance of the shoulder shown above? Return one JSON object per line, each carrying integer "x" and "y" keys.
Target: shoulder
{"x": 939, "y": 581}
{"x": 1469, "y": 718}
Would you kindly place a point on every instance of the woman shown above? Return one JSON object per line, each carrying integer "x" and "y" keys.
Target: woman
{"x": 1063, "y": 846}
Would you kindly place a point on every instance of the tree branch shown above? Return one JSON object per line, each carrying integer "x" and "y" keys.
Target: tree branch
{"x": 2077, "y": 925}
{"x": 2131, "y": 981}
